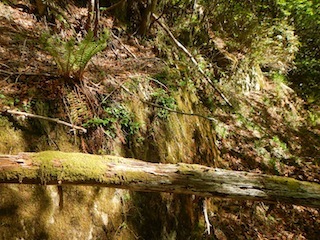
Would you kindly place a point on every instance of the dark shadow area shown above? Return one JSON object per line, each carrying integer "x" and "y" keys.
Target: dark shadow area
{"x": 13, "y": 205}
{"x": 164, "y": 216}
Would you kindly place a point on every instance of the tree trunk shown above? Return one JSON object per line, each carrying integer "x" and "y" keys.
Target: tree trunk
{"x": 93, "y": 17}
{"x": 149, "y": 8}
{"x": 139, "y": 15}
{"x": 58, "y": 168}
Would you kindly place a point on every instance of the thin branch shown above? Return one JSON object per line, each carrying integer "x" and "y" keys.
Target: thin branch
{"x": 13, "y": 112}
{"x": 157, "y": 81}
{"x": 206, "y": 218}
{"x": 29, "y": 73}
{"x": 150, "y": 79}
{"x": 125, "y": 47}
{"x": 169, "y": 109}
{"x": 194, "y": 61}
{"x": 179, "y": 112}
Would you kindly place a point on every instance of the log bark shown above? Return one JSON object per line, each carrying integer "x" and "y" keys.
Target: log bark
{"x": 59, "y": 168}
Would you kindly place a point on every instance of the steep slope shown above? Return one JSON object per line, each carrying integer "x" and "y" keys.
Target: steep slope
{"x": 142, "y": 98}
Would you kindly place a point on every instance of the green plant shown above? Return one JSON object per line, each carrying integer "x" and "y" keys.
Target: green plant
{"x": 163, "y": 99}
{"x": 273, "y": 163}
{"x": 314, "y": 118}
{"x": 124, "y": 118}
{"x": 72, "y": 56}
{"x": 116, "y": 115}
{"x": 27, "y": 106}
{"x": 279, "y": 143}
{"x": 94, "y": 122}
{"x": 279, "y": 78}
{"x": 305, "y": 15}
{"x": 221, "y": 130}
{"x": 279, "y": 148}
{"x": 8, "y": 100}
{"x": 106, "y": 123}
{"x": 281, "y": 83}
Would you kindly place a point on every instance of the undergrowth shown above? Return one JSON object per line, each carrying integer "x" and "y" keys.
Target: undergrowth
{"x": 243, "y": 54}
{"x": 71, "y": 55}
{"x": 163, "y": 99}
{"x": 115, "y": 119}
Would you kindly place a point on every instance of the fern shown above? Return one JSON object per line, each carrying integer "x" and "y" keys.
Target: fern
{"x": 71, "y": 56}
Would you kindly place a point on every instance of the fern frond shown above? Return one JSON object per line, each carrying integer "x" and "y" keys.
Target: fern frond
{"x": 88, "y": 48}
{"x": 72, "y": 57}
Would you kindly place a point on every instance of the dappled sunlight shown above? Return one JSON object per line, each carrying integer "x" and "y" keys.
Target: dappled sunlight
{"x": 142, "y": 96}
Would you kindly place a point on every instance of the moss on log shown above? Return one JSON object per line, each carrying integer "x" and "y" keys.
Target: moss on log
{"x": 59, "y": 168}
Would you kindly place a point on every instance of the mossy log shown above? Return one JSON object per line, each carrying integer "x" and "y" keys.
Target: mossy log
{"x": 59, "y": 168}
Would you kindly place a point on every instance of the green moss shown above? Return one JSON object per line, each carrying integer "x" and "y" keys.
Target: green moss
{"x": 290, "y": 183}
{"x": 134, "y": 176}
{"x": 185, "y": 168}
{"x": 11, "y": 140}
{"x": 17, "y": 173}
{"x": 75, "y": 167}
{"x": 72, "y": 165}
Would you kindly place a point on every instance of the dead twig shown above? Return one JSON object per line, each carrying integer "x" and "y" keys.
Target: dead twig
{"x": 124, "y": 46}
{"x": 206, "y": 218}
{"x": 193, "y": 60}
{"x": 179, "y": 112}
{"x": 169, "y": 109}
{"x": 24, "y": 114}
{"x": 29, "y": 74}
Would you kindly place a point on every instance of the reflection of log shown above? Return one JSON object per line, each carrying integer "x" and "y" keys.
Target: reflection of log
{"x": 83, "y": 169}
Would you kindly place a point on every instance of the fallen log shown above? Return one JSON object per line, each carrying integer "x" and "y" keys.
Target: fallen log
{"x": 59, "y": 168}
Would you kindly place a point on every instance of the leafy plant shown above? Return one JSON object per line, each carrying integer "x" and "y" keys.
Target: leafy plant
{"x": 105, "y": 123}
{"x": 72, "y": 56}
{"x": 306, "y": 17}
{"x": 221, "y": 130}
{"x": 279, "y": 143}
{"x": 124, "y": 118}
{"x": 94, "y": 122}
{"x": 279, "y": 78}
{"x": 162, "y": 98}
{"x": 279, "y": 148}
{"x": 273, "y": 163}
{"x": 314, "y": 118}
{"x": 115, "y": 116}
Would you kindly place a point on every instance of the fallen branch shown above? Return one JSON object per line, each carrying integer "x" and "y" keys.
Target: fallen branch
{"x": 58, "y": 168}
{"x": 30, "y": 115}
{"x": 178, "y": 112}
{"x": 29, "y": 74}
{"x": 124, "y": 46}
{"x": 193, "y": 60}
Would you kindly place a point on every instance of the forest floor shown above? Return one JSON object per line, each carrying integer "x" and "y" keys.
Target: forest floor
{"x": 271, "y": 132}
